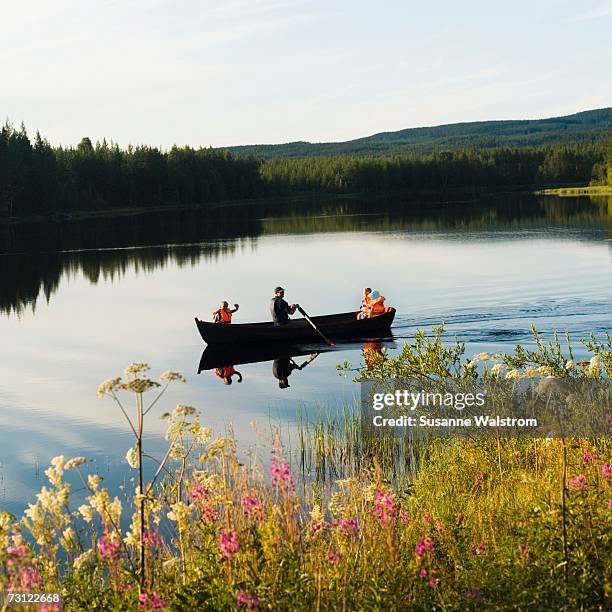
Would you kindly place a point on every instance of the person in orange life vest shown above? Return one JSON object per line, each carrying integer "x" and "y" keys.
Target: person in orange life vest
{"x": 377, "y": 304}
{"x": 224, "y": 313}
{"x": 226, "y": 373}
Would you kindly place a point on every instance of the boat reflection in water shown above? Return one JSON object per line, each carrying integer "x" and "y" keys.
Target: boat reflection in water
{"x": 285, "y": 359}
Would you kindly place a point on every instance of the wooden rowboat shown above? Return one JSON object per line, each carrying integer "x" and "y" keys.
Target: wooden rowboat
{"x": 345, "y": 325}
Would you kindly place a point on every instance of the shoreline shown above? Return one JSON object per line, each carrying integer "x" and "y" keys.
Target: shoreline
{"x": 135, "y": 211}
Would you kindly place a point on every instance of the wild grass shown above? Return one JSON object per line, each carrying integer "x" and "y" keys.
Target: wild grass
{"x": 448, "y": 525}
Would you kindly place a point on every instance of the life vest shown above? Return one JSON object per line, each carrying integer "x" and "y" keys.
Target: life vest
{"x": 377, "y": 306}
{"x": 224, "y": 315}
{"x": 225, "y": 371}
{"x": 366, "y": 302}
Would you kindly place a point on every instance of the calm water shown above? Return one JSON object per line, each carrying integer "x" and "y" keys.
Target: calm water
{"x": 81, "y": 300}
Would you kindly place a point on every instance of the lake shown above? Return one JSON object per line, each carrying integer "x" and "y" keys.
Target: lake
{"x": 80, "y": 300}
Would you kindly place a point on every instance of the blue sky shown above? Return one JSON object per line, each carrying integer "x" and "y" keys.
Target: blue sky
{"x": 238, "y": 72}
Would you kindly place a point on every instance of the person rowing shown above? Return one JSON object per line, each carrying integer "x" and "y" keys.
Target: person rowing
{"x": 280, "y": 309}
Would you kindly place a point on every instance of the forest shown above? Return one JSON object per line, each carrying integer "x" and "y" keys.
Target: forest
{"x": 36, "y": 178}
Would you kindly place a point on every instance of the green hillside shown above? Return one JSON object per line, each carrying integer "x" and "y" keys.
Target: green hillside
{"x": 587, "y": 126}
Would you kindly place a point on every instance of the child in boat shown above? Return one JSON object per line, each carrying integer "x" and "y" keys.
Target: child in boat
{"x": 377, "y": 304}
{"x": 224, "y": 313}
{"x": 365, "y": 304}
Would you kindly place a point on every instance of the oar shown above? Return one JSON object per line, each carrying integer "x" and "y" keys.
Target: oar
{"x": 327, "y": 340}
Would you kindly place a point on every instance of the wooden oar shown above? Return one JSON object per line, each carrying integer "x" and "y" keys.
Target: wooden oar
{"x": 327, "y": 340}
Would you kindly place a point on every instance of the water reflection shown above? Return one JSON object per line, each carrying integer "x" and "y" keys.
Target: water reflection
{"x": 34, "y": 258}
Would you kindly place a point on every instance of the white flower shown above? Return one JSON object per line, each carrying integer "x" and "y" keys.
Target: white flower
{"x": 85, "y": 559}
{"x": 512, "y": 374}
{"x": 94, "y": 480}
{"x": 594, "y": 365}
{"x": 132, "y": 458}
{"x": 169, "y": 376}
{"x": 497, "y": 369}
{"x": 531, "y": 371}
{"x": 86, "y": 512}
{"x": 107, "y": 386}
{"x": 482, "y": 357}
{"x": 182, "y": 410}
{"x": 135, "y": 368}
{"x": 74, "y": 462}
{"x": 470, "y": 365}
{"x": 570, "y": 364}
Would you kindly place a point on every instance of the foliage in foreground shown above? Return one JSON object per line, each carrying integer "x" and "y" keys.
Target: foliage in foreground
{"x": 494, "y": 523}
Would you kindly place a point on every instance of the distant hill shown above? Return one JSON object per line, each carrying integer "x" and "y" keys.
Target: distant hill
{"x": 587, "y": 126}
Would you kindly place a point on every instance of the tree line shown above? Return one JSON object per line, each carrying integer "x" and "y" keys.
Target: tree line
{"x": 36, "y": 178}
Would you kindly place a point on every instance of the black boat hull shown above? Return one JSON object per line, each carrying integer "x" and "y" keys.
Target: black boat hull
{"x": 338, "y": 326}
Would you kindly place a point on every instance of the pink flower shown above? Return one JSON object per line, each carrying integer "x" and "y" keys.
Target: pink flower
{"x": 478, "y": 549}
{"x": 19, "y": 550}
{"x": 228, "y": 543}
{"x": 434, "y": 582}
{"x": 385, "y": 509}
{"x": 250, "y": 602}
{"x": 334, "y": 557}
{"x": 606, "y": 470}
{"x": 150, "y": 602}
{"x": 424, "y": 546}
{"x": 423, "y": 573}
{"x": 150, "y": 537}
{"x": 440, "y": 526}
{"x": 251, "y": 506}
{"x": 348, "y": 527}
{"x": 281, "y": 474}
{"x": 53, "y": 607}
{"x": 109, "y": 549}
{"x": 317, "y": 526}
{"x": 587, "y": 457}
{"x": 209, "y": 514}
{"x": 198, "y": 493}
{"x": 405, "y": 517}
{"x": 578, "y": 482}
{"x": 474, "y": 594}
{"x": 524, "y": 551}
{"x": 427, "y": 518}
{"x": 30, "y": 578}
{"x": 479, "y": 479}
{"x": 610, "y": 504}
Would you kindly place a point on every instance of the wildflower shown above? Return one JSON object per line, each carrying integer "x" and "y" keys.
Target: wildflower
{"x": 184, "y": 411}
{"x": 334, "y": 557}
{"x": 93, "y": 481}
{"x": 594, "y": 366}
{"x": 179, "y": 512}
{"x": 132, "y": 458}
{"x": 474, "y": 593}
{"x": 610, "y": 504}
{"x": 587, "y": 457}
{"x": 423, "y": 573}
{"x": 108, "y": 548}
{"x": 198, "y": 493}
{"x": 606, "y": 471}
{"x": 135, "y": 368}
{"x": 74, "y": 462}
{"x": 440, "y": 526}
{"x": 405, "y": 517}
{"x": 139, "y": 385}
{"x": 433, "y": 582}
{"x": 150, "y": 602}
{"x": 348, "y": 527}
{"x": 497, "y": 369}
{"x": 427, "y": 518}
{"x": 511, "y": 374}
{"x": 108, "y": 386}
{"x": 531, "y": 371}
{"x": 424, "y": 546}
{"x": 570, "y": 364}
{"x": 251, "y": 506}
{"x": 479, "y": 479}
{"x": 249, "y": 601}
{"x": 228, "y": 543}
{"x": 482, "y": 357}
{"x": 281, "y": 474}
{"x": 209, "y": 515}
{"x": 86, "y": 512}
{"x": 169, "y": 376}
{"x": 478, "y": 549}
{"x": 524, "y": 551}
{"x": 385, "y": 509}
{"x": 578, "y": 483}
{"x": 82, "y": 560}
{"x": 150, "y": 537}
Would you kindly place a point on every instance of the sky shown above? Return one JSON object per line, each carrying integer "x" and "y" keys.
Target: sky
{"x": 213, "y": 73}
